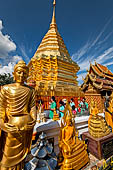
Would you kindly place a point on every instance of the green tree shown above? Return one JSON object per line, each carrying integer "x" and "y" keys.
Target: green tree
{"x": 6, "y": 79}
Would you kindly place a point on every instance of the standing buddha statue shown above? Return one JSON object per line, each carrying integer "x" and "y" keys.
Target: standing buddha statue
{"x": 72, "y": 149}
{"x": 93, "y": 111}
{"x": 17, "y": 119}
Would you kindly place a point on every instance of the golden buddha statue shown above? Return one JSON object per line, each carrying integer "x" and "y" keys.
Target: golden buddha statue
{"x": 109, "y": 113}
{"x": 40, "y": 113}
{"x": 55, "y": 116}
{"x": 17, "y": 119}
{"x": 96, "y": 123}
{"x": 93, "y": 110}
{"x": 73, "y": 150}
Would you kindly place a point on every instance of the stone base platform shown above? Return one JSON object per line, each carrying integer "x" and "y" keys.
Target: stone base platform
{"x": 99, "y": 147}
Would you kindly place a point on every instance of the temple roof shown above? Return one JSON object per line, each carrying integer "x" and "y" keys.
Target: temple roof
{"x": 104, "y": 69}
{"x": 52, "y": 44}
{"x": 99, "y": 76}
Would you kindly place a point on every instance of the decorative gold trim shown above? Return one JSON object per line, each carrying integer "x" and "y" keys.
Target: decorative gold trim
{"x": 91, "y": 78}
{"x": 92, "y": 94}
{"x": 84, "y": 86}
{"x": 98, "y": 86}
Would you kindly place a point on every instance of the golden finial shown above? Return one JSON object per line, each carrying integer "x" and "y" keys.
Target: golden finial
{"x": 53, "y": 18}
{"x": 54, "y": 2}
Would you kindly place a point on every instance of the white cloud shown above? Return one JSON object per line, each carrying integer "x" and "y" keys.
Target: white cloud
{"x": 108, "y": 54}
{"x": 1, "y": 26}
{"x": 6, "y": 44}
{"x": 109, "y": 63}
{"x": 101, "y": 33}
{"x": 23, "y": 51}
{"x": 7, "y": 69}
{"x": 90, "y": 45}
{"x": 106, "y": 38}
{"x": 99, "y": 48}
{"x": 102, "y": 59}
{"x": 10, "y": 66}
{"x": 77, "y": 56}
{"x": 16, "y": 58}
{"x": 81, "y": 75}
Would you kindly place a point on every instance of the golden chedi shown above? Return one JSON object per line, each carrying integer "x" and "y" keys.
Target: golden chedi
{"x": 96, "y": 123}
{"x": 17, "y": 119}
{"x": 72, "y": 149}
{"x": 52, "y": 67}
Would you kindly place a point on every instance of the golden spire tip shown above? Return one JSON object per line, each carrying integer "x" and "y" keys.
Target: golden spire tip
{"x": 53, "y": 17}
{"x": 54, "y": 2}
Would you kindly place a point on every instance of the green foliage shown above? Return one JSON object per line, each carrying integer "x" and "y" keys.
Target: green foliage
{"x": 6, "y": 79}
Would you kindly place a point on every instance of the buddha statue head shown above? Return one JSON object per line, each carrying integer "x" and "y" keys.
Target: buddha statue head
{"x": 20, "y": 72}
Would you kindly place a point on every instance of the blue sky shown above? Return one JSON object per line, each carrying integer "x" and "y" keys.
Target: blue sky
{"x": 85, "y": 25}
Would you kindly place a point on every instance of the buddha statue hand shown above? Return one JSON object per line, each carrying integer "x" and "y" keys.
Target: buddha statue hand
{"x": 7, "y": 127}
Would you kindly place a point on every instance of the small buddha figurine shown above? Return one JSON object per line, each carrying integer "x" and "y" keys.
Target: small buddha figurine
{"x": 93, "y": 110}
{"x": 55, "y": 116}
{"x": 73, "y": 150}
{"x": 40, "y": 113}
{"x": 17, "y": 120}
{"x": 96, "y": 123}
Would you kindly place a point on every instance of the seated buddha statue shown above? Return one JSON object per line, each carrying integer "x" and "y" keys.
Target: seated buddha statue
{"x": 17, "y": 120}
{"x": 96, "y": 123}
{"x": 73, "y": 150}
{"x": 93, "y": 111}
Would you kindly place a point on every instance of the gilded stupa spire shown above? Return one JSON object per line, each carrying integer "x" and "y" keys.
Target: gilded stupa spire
{"x": 52, "y": 67}
{"x": 52, "y": 44}
{"x": 53, "y": 17}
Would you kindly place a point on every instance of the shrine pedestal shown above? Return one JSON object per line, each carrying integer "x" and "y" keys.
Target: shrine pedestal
{"x": 99, "y": 147}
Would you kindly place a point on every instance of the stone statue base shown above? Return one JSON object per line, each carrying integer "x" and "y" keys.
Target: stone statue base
{"x": 99, "y": 147}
